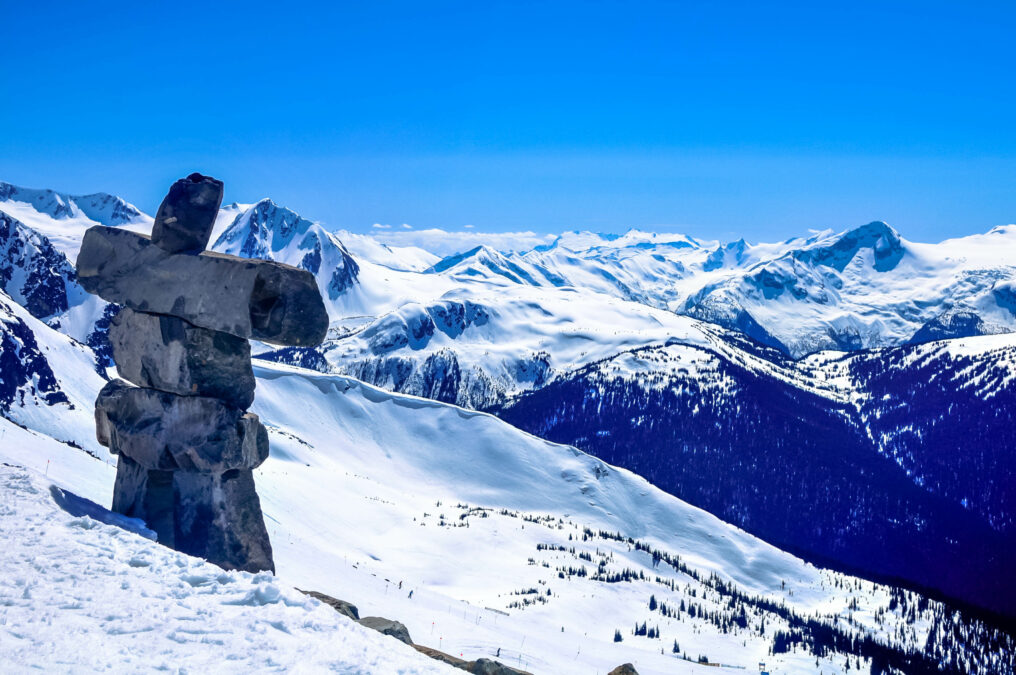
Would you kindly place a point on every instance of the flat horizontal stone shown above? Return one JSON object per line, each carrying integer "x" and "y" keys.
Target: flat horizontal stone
{"x": 184, "y": 221}
{"x": 162, "y": 431}
{"x": 258, "y": 299}
{"x": 166, "y": 353}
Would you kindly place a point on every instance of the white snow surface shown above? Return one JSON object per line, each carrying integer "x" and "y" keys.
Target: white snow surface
{"x": 84, "y": 590}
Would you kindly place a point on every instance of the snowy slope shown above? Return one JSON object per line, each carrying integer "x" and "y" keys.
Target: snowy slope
{"x": 406, "y": 258}
{"x": 48, "y": 381}
{"x": 896, "y": 462}
{"x": 85, "y": 591}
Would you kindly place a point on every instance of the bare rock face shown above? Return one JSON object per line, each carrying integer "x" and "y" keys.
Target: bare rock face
{"x": 179, "y": 433}
{"x": 186, "y": 447}
{"x": 187, "y": 214}
{"x": 169, "y": 354}
{"x": 267, "y": 300}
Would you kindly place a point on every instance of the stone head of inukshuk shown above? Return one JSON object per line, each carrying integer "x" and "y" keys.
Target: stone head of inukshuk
{"x": 186, "y": 448}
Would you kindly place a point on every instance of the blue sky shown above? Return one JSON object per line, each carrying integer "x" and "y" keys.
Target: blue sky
{"x": 719, "y": 119}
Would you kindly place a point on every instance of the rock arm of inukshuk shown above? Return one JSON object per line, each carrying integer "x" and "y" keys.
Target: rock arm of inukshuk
{"x": 186, "y": 447}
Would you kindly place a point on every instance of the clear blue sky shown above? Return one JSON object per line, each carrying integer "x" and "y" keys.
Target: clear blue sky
{"x": 719, "y": 119}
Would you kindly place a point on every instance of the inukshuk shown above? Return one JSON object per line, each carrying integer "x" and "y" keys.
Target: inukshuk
{"x": 186, "y": 447}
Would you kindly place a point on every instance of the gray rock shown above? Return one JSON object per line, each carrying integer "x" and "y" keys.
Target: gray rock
{"x": 491, "y": 667}
{"x": 218, "y": 517}
{"x": 178, "y": 433}
{"x": 185, "y": 218}
{"x": 169, "y": 354}
{"x": 387, "y": 627}
{"x": 478, "y": 667}
{"x": 102, "y": 430}
{"x": 215, "y": 516}
{"x": 341, "y": 606}
{"x": 258, "y": 299}
{"x": 142, "y": 493}
{"x": 624, "y": 669}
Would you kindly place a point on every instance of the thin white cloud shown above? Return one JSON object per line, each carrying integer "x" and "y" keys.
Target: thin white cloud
{"x": 406, "y": 226}
{"x": 468, "y": 227}
{"x": 379, "y": 226}
{"x": 443, "y": 243}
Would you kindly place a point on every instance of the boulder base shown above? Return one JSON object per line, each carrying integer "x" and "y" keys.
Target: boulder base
{"x": 169, "y": 354}
{"x": 214, "y": 516}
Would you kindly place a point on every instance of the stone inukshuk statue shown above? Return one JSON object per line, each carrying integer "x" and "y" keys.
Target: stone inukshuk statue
{"x": 186, "y": 448}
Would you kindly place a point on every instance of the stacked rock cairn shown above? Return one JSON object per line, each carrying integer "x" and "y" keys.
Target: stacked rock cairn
{"x": 186, "y": 447}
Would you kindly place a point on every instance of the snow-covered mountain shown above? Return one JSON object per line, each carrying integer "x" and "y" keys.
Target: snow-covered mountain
{"x": 869, "y": 287}
{"x": 863, "y": 288}
{"x": 894, "y": 462}
{"x": 353, "y": 288}
{"x": 483, "y": 540}
{"x": 475, "y": 348}
{"x": 40, "y": 233}
{"x": 866, "y": 287}
{"x": 62, "y": 218}
{"x": 599, "y": 319}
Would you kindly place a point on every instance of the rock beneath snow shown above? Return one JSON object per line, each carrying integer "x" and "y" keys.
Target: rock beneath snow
{"x": 169, "y": 354}
{"x": 185, "y": 218}
{"x": 479, "y": 666}
{"x": 625, "y": 669}
{"x": 215, "y": 516}
{"x": 489, "y": 667}
{"x": 388, "y": 627}
{"x": 257, "y": 299}
{"x": 949, "y": 325}
{"x": 168, "y": 432}
{"x": 341, "y": 606}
